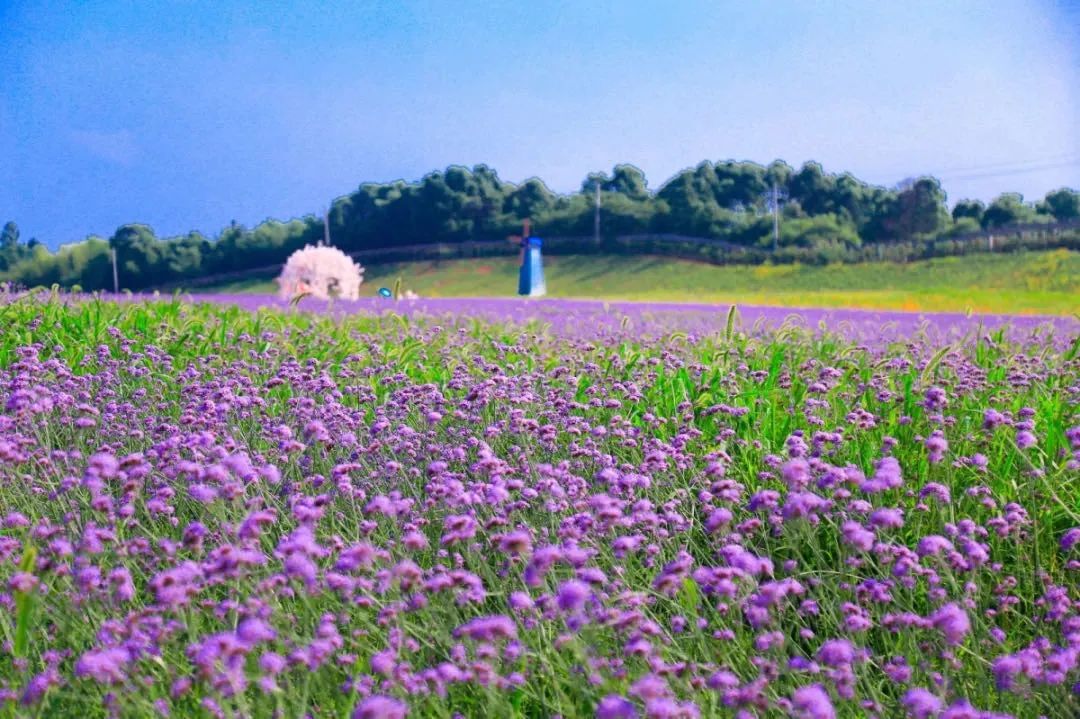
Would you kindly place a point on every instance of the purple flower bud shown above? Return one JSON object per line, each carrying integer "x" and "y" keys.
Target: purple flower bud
{"x": 857, "y": 536}
{"x": 381, "y": 707}
{"x": 614, "y": 706}
{"x": 812, "y": 702}
{"x": 933, "y": 544}
{"x": 992, "y": 419}
{"x": 888, "y": 518}
{"x": 253, "y": 631}
{"x": 572, "y": 595}
{"x": 107, "y": 666}
{"x": 272, "y": 663}
{"x": 952, "y": 621}
{"x": 520, "y": 601}
{"x": 517, "y": 542}
{"x": 836, "y": 653}
{"x": 886, "y": 476}
{"x": 717, "y": 519}
{"x": 796, "y": 474}
{"x": 921, "y": 704}
{"x": 937, "y": 446}
{"x": 383, "y": 662}
{"x": 722, "y": 679}
{"x": 488, "y": 629}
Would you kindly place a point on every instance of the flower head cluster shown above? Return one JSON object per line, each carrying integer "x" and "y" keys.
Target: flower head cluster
{"x": 324, "y": 272}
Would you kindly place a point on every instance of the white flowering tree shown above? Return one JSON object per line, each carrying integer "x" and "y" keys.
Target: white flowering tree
{"x": 324, "y": 272}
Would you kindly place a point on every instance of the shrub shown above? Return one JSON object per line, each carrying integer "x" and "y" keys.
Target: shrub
{"x": 324, "y": 272}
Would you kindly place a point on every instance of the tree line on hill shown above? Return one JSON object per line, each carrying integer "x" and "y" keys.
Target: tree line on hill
{"x": 820, "y": 213}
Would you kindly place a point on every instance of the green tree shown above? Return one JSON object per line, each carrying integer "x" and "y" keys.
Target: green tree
{"x": 92, "y": 265}
{"x": 137, "y": 255}
{"x": 691, "y": 197}
{"x": 972, "y": 209}
{"x": 738, "y": 184}
{"x": 815, "y": 232}
{"x": 588, "y": 185}
{"x": 778, "y": 173}
{"x": 529, "y": 199}
{"x": 1007, "y": 209}
{"x": 963, "y": 226}
{"x": 9, "y": 245}
{"x": 813, "y": 189}
{"x": 918, "y": 211}
{"x": 824, "y": 217}
{"x": 184, "y": 256}
{"x": 623, "y": 215}
{"x": 1063, "y": 204}
{"x": 627, "y": 180}
{"x": 862, "y": 205}
{"x": 9, "y": 236}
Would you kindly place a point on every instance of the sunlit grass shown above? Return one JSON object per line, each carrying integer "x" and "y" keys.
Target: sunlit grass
{"x": 1024, "y": 283}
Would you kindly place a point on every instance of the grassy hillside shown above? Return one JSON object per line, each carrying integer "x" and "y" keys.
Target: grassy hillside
{"x": 1034, "y": 282}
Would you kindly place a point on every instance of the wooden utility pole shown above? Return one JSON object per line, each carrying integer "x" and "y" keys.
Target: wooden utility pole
{"x": 773, "y": 197}
{"x": 115, "y": 276}
{"x": 596, "y": 219}
{"x": 522, "y": 240}
{"x": 775, "y": 220}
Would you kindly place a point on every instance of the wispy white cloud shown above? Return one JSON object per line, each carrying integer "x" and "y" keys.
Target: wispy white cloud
{"x": 118, "y": 147}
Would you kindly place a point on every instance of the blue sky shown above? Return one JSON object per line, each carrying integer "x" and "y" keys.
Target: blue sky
{"x": 186, "y": 115}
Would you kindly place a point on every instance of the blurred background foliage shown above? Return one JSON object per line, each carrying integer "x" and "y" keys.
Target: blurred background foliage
{"x": 823, "y": 218}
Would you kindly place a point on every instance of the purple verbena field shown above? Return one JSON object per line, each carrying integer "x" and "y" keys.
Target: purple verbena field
{"x": 483, "y": 508}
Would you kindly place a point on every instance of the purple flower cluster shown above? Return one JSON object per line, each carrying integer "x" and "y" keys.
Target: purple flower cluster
{"x": 294, "y": 520}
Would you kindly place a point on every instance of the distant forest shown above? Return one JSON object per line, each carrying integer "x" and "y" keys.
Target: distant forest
{"x": 821, "y": 213}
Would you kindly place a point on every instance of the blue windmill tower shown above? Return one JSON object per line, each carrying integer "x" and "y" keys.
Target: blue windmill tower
{"x": 531, "y": 274}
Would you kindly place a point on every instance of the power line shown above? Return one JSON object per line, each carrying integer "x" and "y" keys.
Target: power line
{"x": 1000, "y": 169}
{"x": 1069, "y": 157}
{"x": 1006, "y": 173}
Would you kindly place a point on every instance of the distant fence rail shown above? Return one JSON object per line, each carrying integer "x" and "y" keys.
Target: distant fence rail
{"x": 401, "y": 253}
{"x": 1004, "y": 239}
{"x": 704, "y": 241}
{"x": 1020, "y": 229}
{"x": 558, "y": 245}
